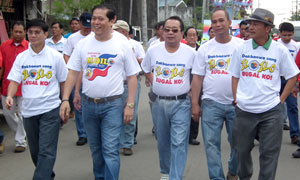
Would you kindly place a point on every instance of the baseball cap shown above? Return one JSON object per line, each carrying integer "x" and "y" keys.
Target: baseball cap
{"x": 121, "y": 24}
{"x": 85, "y": 19}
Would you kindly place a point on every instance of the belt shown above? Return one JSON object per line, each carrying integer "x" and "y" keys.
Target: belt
{"x": 182, "y": 96}
{"x": 101, "y": 100}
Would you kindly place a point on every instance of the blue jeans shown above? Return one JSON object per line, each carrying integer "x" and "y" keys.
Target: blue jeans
{"x": 172, "y": 123}
{"x": 42, "y": 135}
{"x": 1, "y": 136}
{"x": 81, "y": 132}
{"x": 214, "y": 115}
{"x": 292, "y": 109}
{"x": 103, "y": 124}
{"x": 127, "y": 135}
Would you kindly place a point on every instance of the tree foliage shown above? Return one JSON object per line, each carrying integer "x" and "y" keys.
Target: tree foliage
{"x": 66, "y": 9}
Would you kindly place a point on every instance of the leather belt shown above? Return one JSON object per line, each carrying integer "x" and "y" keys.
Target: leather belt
{"x": 182, "y": 96}
{"x": 101, "y": 100}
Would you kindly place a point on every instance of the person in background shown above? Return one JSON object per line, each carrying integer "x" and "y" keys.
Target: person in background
{"x": 75, "y": 26}
{"x": 57, "y": 41}
{"x": 9, "y": 50}
{"x": 158, "y": 28}
{"x": 243, "y": 25}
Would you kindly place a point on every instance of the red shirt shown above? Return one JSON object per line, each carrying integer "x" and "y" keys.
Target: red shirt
{"x": 297, "y": 60}
{"x": 9, "y": 53}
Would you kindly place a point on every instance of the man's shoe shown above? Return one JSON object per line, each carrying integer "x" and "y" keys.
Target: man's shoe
{"x": 286, "y": 127}
{"x": 81, "y": 141}
{"x": 164, "y": 177}
{"x": 231, "y": 177}
{"x": 194, "y": 142}
{"x": 19, "y": 149}
{"x": 1, "y": 148}
{"x": 127, "y": 151}
{"x": 294, "y": 140}
{"x": 296, "y": 154}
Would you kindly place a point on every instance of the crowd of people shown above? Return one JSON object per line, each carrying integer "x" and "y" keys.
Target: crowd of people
{"x": 245, "y": 83}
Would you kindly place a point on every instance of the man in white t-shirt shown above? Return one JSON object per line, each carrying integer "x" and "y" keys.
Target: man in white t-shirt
{"x": 210, "y": 72}
{"x": 171, "y": 107}
{"x": 42, "y": 72}
{"x": 286, "y": 32}
{"x": 256, "y": 67}
{"x": 104, "y": 58}
{"x": 75, "y": 98}
{"x": 57, "y": 41}
{"x": 158, "y": 28}
{"x": 127, "y": 135}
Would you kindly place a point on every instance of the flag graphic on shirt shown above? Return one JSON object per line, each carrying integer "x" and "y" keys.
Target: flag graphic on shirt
{"x": 99, "y": 66}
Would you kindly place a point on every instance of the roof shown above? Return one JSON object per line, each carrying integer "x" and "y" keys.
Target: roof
{"x": 175, "y": 3}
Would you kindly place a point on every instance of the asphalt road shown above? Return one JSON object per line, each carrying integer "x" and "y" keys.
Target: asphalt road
{"x": 75, "y": 163}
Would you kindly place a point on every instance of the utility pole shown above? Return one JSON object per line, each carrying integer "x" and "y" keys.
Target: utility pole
{"x": 203, "y": 10}
{"x": 166, "y": 9}
{"x": 130, "y": 12}
{"x": 144, "y": 22}
{"x": 195, "y": 14}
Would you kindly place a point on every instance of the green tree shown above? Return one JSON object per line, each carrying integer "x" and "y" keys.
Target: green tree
{"x": 66, "y": 9}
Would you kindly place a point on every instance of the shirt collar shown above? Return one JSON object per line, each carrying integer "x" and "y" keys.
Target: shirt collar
{"x": 266, "y": 46}
{"x": 23, "y": 42}
{"x": 62, "y": 40}
{"x": 32, "y": 53}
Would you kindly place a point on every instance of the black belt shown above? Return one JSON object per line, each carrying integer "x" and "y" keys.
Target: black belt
{"x": 182, "y": 96}
{"x": 101, "y": 100}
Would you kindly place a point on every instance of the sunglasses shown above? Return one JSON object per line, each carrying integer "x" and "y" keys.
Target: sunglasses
{"x": 173, "y": 30}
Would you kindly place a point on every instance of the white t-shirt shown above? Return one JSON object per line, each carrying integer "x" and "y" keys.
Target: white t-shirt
{"x": 157, "y": 41}
{"x": 259, "y": 73}
{"x": 212, "y": 61}
{"x": 292, "y": 46}
{"x": 103, "y": 64}
{"x": 138, "y": 48}
{"x": 171, "y": 76}
{"x": 40, "y": 75}
{"x": 71, "y": 42}
{"x": 59, "y": 46}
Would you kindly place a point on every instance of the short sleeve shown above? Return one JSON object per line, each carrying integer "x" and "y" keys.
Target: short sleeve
{"x": 62, "y": 70}
{"x": 235, "y": 65}
{"x": 146, "y": 63}
{"x": 287, "y": 68}
{"x": 131, "y": 65}
{"x": 199, "y": 66}
{"x": 15, "y": 73}
{"x": 68, "y": 47}
{"x": 74, "y": 62}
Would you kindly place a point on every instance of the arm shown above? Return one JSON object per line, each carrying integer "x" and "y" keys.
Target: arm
{"x": 12, "y": 89}
{"x": 69, "y": 84}
{"x": 235, "y": 82}
{"x": 66, "y": 58}
{"x": 196, "y": 88}
{"x": 77, "y": 98}
{"x": 132, "y": 86}
{"x": 288, "y": 88}
{"x": 149, "y": 79}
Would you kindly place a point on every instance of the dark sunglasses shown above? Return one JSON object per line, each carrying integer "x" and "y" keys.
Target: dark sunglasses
{"x": 173, "y": 30}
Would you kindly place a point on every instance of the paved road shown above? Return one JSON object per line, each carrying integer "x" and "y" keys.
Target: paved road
{"x": 75, "y": 163}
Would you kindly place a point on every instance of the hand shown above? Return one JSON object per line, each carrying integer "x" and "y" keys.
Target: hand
{"x": 196, "y": 112}
{"x": 294, "y": 92}
{"x": 77, "y": 101}
{"x": 147, "y": 82}
{"x": 128, "y": 114}
{"x": 9, "y": 102}
{"x": 64, "y": 111}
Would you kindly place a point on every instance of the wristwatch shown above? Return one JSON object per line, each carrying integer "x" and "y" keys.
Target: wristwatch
{"x": 130, "y": 105}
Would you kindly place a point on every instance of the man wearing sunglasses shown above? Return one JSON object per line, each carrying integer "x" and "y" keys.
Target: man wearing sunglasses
{"x": 210, "y": 73}
{"x": 172, "y": 62}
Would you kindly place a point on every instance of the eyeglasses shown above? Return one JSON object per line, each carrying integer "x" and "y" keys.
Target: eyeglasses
{"x": 173, "y": 30}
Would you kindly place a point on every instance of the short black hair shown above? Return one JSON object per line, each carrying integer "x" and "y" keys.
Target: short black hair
{"x": 75, "y": 19}
{"x": 191, "y": 27}
{"x": 209, "y": 29}
{"x": 286, "y": 26}
{"x": 111, "y": 13}
{"x": 37, "y": 23}
{"x": 177, "y": 19}
{"x": 157, "y": 25}
{"x": 220, "y": 9}
{"x": 18, "y": 23}
{"x": 61, "y": 26}
{"x": 243, "y": 23}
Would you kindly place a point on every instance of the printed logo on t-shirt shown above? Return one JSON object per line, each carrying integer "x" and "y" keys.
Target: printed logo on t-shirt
{"x": 292, "y": 52}
{"x": 98, "y": 65}
{"x": 218, "y": 64}
{"x": 165, "y": 73}
{"x": 36, "y": 74}
{"x": 259, "y": 66}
